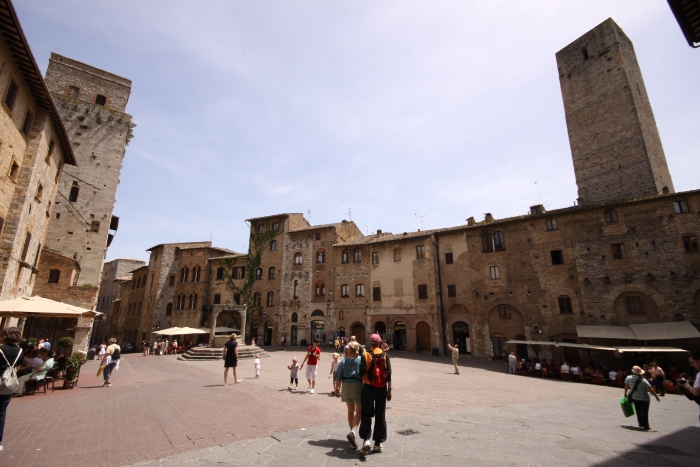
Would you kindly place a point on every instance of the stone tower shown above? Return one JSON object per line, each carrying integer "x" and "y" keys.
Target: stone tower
{"x": 615, "y": 144}
{"x": 92, "y": 104}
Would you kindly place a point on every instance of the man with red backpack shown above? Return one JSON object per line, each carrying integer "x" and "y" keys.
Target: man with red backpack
{"x": 375, "y": 369}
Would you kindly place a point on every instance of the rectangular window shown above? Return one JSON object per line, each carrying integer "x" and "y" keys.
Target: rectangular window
{"x": 397, "y": 254}
{"x": 73, "y": 195}
{"x": 451, "y": 291}
{"x": 39, "y": 192}
{"x": 95, "y": 226}
{"x": 27, "y": 123}
{"x": 344, "y": 291}
{"x": 611, "y": 216}
{"x": 237, "y": 298}
{"x": 557, "y": 257}
{"x": 360, "y": 290}
{"x": 634, "y": 305}
{"x": 14, "y": 170}
{"x": 2, "y": 222}
{"x": 358, "y": 256}
{"x": 565, "y": 306}
{"x": 375, "y": 258}
{"x": 690, "y": 242}
{"x": 618, "y": 250}
{"x": 171, "y": 280}
{"x": 449, "y": 259}
{"x": 681, "y": 206}
{"x": 552, "y": 224}
{"x": 340, "y": 315}
{"x": 239, "y": 272}
{"x": 423, "y": 292}
{"x": 275, "y": 226}
{"x": 297, "y": 258}
{"x": 346, "y": 257}
{"x": 420, "y": 252}
{"x": 494, "y": 272}
{"x": 11, "y": 95}
{"x": 273, "y": 245}
{"x": 318, "y": 235}
{"x": 504, "y": 312}
{"x": 377, "y": 294}
{"x": 25, "y": 248}
{"x": 50, "y": 152}
{"x": 219, "y": 274}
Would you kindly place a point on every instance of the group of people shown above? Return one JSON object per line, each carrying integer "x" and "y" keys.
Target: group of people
{"x": 163, "y": 347}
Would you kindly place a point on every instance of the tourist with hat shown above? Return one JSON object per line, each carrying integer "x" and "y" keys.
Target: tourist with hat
{"x": 231, "y": 358}
{"x": 375, "y": 369}
{"x": 639, "y": 390}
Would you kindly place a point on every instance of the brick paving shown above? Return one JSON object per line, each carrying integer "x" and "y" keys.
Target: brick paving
{"x": 158, "y": 406}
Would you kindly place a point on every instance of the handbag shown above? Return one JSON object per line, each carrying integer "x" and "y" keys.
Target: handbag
{"x": 627, "y": 407}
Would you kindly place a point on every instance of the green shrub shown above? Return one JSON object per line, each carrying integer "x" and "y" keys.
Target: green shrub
{"x": 65, "y": 342}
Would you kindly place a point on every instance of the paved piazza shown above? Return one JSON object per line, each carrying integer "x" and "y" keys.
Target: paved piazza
{"x": 164, "y": 412}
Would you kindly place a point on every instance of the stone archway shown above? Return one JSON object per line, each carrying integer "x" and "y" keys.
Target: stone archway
{"x": 506, "y": 320}
{"x": 633, "y": 307}
{"x": 358, "y": 330}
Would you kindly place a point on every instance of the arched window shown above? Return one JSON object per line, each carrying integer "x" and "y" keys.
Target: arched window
{"x": 487, "y": 243}
{"x": 273, "y": 245}
{"x": 191, "y": 301}
{"x": 318, "y": 313}
{"x": 295, "y": 318}
{"x": 178, "y": 304}
{"x": 257, "y": 299}
{"x": 195, "y": 274}
{"x": 54, "y": 276}
{"x": 296, "y": 289}
{"x": 344, "y": 291}
{"x": 169, "y": 309}
{"x": 297, "y": 258}
{"x": 270, "y": 299}
{"x": 499, "y": 241}
{"x": 360, "y": 290}
{"x": 271, "y": 273}
{"x": 320, "y": 256}
{"x": 320, "y": 289}
{"x": 187, "y": 274}
{"x": 194, "y": 303}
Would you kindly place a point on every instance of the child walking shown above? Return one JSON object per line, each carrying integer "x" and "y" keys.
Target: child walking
{"x": 294, "y": 373}
{"x": 257, "y": 365}
{"x": 334, "y": 375}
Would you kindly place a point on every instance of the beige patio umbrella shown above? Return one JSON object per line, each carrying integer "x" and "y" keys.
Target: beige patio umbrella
{"x": 184, "y": 331}
{"x": 168, "y": 331}
{"x": 221, "y": 330}
{"x": 39, "y": 307}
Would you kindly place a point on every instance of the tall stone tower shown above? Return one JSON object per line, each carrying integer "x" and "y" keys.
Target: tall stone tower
{"x": 614, "y": 141}
{"x": 92, "y": 104}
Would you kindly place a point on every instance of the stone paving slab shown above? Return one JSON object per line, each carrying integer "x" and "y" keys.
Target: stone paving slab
{"x": 554, "y": 433}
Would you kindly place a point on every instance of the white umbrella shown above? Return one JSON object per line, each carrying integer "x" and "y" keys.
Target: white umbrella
{"x": 168, "y": 332}
{"x": 42, "y": 308}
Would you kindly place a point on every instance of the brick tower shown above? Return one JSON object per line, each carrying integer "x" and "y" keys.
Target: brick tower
{"x": 92, "y": 104}
{"x": 614, "y": 140}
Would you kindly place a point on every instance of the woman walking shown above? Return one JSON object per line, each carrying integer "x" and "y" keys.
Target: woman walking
{"x": 639, "y": 395}
{"x": 11, "y": 355}
{"x": 231, "y": 358}
{"x": 348, "y": 374}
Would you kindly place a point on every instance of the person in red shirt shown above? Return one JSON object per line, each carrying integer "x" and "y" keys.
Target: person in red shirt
{"x": 313, "y": 354}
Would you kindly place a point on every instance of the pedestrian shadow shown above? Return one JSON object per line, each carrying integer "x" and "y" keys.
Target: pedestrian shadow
{"x": 89, "y": 387}
{"x": 338, "y": 448}
{"x": 212, "y": 385}
{"x": 635, "y": 428}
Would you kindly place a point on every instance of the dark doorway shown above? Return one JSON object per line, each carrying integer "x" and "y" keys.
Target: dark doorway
{"x": 380, "y": 328}
{"x": 498, "y": 346}
{"x": 521, "y": 349}
{"x": 294, "y": 335}
{"x": 268, "y": 334}
{"x": 400, "y": 335}
{"x": 460, "y": 333}
{"x": 358, "y": 331}
{"x": 571, "y": 353}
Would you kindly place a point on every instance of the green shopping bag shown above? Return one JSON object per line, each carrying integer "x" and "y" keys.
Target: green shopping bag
{"x": 627, "y": 407}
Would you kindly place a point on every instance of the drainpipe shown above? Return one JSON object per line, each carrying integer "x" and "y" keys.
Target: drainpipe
{"x": 436, "y": 242}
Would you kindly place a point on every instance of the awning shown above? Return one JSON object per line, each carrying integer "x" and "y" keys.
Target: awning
{"x": 221, "y": 330}
{"x": 649, "y": 349}
{"x": 669, "y": 330}
{"x": 176, "y": 331}
{"x": 42, "y": 308}
{"x": 605, "y": 332}
{"x": 167, "y": 332}
{"x": 599, "y": 347}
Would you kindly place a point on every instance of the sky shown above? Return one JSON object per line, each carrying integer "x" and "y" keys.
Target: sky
{"x": 397, "y": 115}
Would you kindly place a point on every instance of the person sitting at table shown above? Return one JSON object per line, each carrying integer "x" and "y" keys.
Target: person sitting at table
{"x": 39, "y": 371}
{"x": 59, "y": 362}
{"x": 30, "y": 361}
{"x": 672, "y": 374}
{"x": 588, "y": 372}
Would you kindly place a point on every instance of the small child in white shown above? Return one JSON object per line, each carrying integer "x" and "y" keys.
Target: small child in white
{"x": 257, "y": 366}
{"x": 294, "y": 374}
{"x": 334, "y": 369}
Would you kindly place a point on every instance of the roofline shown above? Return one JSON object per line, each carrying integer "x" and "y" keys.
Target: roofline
{"x": 22, "y": 54}
{"x": 177, "y": 243}
{"x": 54, "y": 252}
{"x": 138, "y": 269}
{"x": 287, "y": 214}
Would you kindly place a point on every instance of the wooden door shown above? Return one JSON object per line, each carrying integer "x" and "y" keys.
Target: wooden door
{"x": 423, "y": 336}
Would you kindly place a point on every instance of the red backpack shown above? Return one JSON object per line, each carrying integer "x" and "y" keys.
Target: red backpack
{"x": 377, "y": 371}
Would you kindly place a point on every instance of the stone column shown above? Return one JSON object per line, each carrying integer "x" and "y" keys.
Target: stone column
{"x": 82, "y": 334}
{"x": 214, "y": 316}
{"x": 243, "y": 310}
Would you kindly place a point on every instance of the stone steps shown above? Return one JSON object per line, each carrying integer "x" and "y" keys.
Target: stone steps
{"x": 245, "y": 352}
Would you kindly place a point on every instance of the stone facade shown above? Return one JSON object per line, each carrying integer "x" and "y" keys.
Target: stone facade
{"x": 99, "y": 131}
{"x": 614, "y": 140}
{"x": 34, "y": 149}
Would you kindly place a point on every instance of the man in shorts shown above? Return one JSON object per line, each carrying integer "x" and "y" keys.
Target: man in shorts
{"x": 313, "y": 354}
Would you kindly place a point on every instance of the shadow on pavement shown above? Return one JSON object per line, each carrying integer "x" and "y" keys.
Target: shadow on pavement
{"x": 338, "y": 448}
{"x": 678, "y": 448}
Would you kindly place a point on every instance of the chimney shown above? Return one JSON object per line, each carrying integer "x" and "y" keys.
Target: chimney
{"x": 536, "y": 209}
{"x": 489, "y": 217}
{"x": 471, "y": 221}
{"x": 379, "y": 232}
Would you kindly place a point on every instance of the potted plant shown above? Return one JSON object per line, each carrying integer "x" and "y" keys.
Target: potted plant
{"x": 66, "y": 344}
{"x": 72, "y": 369}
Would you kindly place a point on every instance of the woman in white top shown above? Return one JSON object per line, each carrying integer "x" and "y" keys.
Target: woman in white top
{"x": 101, "y": 353}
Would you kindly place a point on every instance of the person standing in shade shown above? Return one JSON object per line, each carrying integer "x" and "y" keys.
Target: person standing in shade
{"x": 313, "y": 355}
{"x": 565, "y": 371}
{"x": 512, "y": 363}
{"x": 657, "y": 379}
{"x": 11, "y": 355}
{"x": 639, "y": 390}
{"x": 375, "y": 368}
{"x": 111, "y": 361}
{"x": 231, "y": 358}
{"x": 455, "y": 356}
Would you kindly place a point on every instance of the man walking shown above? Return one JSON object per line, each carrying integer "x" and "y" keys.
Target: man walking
{"x": 313, "y": 355}
{"x": 658, "y": 377}
{"x": 455, "y": 356}
{"x": 376, "y": 391}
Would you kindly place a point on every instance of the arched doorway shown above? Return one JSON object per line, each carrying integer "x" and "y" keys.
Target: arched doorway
{"x": 521, "y": 349}
{"x": 294, "y": 335}
{"x": 460, "y": 334}
{"x": 268, "y": 333}
{"x": 400, "y": 335}
{"x": 253, "y": 333}
{"x": 317, "y": 328}
{"x": 422, "y": 337}
{"x": 498, "y": 346}
{"x": 380, "y": 328}
{"x": 358, "y": 330}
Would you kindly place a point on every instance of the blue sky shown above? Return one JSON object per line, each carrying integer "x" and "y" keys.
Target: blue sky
{"x": 392, "y": 109}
